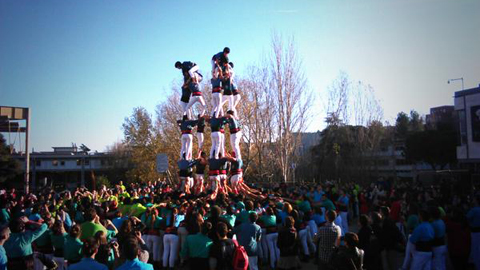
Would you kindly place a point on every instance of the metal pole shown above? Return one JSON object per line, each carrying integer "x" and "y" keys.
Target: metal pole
{"x": 82, "y": 177}
{"x": 27, "y": 154}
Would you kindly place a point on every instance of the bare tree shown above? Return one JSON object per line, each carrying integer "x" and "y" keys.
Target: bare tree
{"x": 337, "y": 101}
{"x": 292, "y": 101}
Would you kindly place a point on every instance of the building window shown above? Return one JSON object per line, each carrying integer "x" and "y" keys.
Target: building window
{"x": 87, "y": 162}
{"x": 38, "y": 163}
{"x": 55, "y": 162}
{"x": 102, "y": 162}
{"x": 402, "y": 162}
{"x": 62, "y": 163}
{"x": 463, "y": 127}
{"x": 79, "y": 162}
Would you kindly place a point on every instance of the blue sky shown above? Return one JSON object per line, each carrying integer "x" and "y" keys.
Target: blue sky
{"x": 83, "y": 65}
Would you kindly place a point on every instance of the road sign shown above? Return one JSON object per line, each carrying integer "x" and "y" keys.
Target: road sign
{"x": 162, "y": 163}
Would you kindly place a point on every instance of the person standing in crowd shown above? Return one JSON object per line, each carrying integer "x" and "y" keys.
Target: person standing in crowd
{"x": 249, "y": 236}
{"x": 222, "y": 250}
{"x": 287, "y": 243}
{"x": 439, "y": 249}
{"x": 197, "y": 248}
{"x": 91, "y": 225}
{"x": 88, "y": 262}
{"x": 342, "y": 203}
{"x": 328, "y": 240}
{"x": 473, "y": 217}
{"x": 58, "y": 237}
{"x": 4, "y": 235}
{"x": 422, "y": 238}
{"x": 458, "y": 239}
{"x": 349, "y": 256}
{"x": 130, "y": 251}
{"x": 19, "y": 246}
{"x": 73, "y": 245}
{"x": 390, "y": 238}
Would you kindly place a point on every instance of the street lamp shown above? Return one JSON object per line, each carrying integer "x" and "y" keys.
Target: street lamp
{"x": 456, "y": 79}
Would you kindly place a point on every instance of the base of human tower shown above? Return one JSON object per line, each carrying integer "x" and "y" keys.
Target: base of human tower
{"x": 214, "y": 185}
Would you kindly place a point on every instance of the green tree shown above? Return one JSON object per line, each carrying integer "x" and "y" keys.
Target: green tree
{"x": 140, "y": 140}
{"x": 416, "y": 122}
{"x": 9, "y": 167}
{"x": 402, "y": 125}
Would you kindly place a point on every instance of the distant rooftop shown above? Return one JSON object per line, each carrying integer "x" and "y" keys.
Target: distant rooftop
{"x": 468, "y": 92}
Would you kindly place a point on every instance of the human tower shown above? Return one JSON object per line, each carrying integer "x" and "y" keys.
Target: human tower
{"x": 224, "y": 92}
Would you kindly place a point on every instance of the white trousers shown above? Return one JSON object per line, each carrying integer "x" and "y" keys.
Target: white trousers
{"x": 192, "y": 72}
{"x": 475, "y": 249}
{"x": 222, "y": 144}
{"x": 312, "y": 228}
{"x": 185, "y": 111}
{"x": 407, "y": 261}
{"x": 153, "y": 243}
{"x": 235, "y": 143}
{"x": 216, "y": 139}
{"x": 305, "y": 241}
{"x": 170, "y": 249}
{"x": 182, "y": 235}
{"x": 439, "y": 260}
{"x": 193, "y": 100}
{"x": 421, "y": 260}
{"x": 236, "y": 100}
{"x": 344, "y": 224}
{"x": 216, "y": 103}
{"x": 273, "y": 249}
{"x": 187, "y": 144}
{"x": 200, "y": 139}
{"x": 263, "y": 247}
{"x": 235, "y": 180}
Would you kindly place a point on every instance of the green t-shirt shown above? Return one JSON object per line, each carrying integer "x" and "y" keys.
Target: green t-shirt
{"x": 137, "y": 209}
{"x": 196, "y": 246}
{"x": 4, "y": 216}
{"x": 244, "y": 216}
{"x": 89, "y": 229}
{"x": 73, "y": 249}
{"x": 58, "y": 241}
{"x": 20, "y": 244}
{"x": 45, "y": 239}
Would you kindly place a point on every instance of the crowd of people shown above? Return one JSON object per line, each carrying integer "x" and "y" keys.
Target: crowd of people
{"x": 152, "y": 226}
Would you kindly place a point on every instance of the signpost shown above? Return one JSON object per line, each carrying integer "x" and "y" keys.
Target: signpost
{"x": 162, "y": 163}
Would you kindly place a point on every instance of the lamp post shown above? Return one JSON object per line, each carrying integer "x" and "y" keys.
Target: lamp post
{"x": 457, "y": 79}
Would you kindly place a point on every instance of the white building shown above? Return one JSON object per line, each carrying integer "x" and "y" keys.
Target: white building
{"x": 467, "y": 106}
{"x": 66, "y": 166}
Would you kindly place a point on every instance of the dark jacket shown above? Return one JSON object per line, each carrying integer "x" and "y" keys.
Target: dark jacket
{"x": 288, "y": 242}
